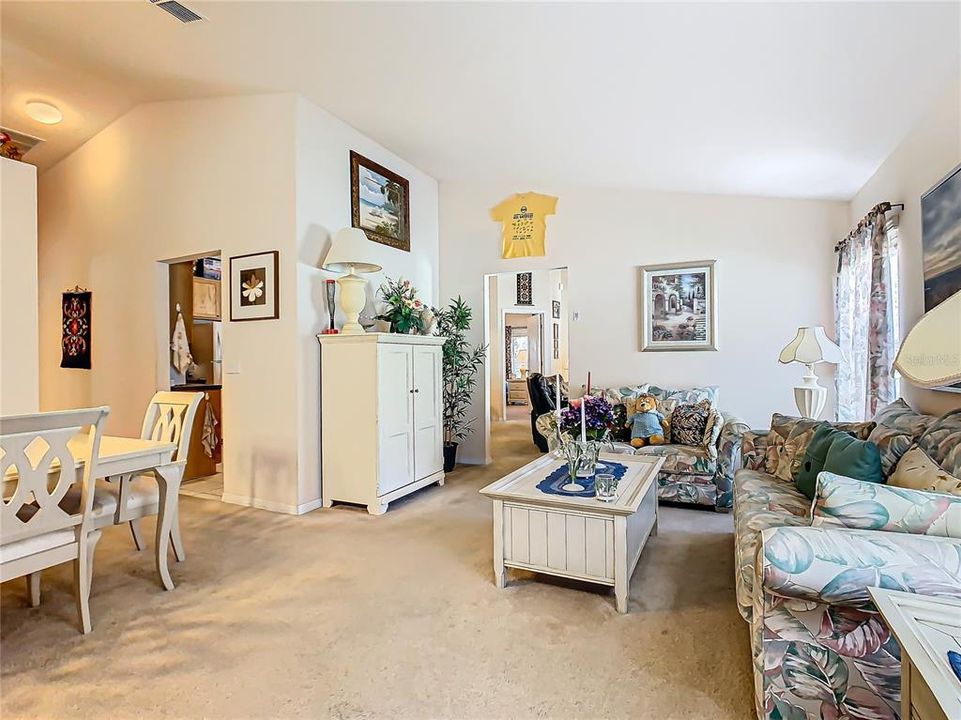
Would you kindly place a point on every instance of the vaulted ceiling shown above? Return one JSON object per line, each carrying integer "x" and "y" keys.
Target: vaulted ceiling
{"x": 786, "y": 99}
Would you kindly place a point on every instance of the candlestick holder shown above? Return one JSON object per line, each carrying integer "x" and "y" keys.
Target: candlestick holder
{"x": 331, "y": 307}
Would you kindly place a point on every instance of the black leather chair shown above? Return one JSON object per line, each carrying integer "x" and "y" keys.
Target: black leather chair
{"x": 540, "y": 389}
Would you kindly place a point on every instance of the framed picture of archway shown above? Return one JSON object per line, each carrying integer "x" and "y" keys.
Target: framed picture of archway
{"x": 678, "y": 306}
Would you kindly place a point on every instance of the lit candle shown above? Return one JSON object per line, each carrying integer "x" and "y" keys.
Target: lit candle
{"x": 583, "y": 419}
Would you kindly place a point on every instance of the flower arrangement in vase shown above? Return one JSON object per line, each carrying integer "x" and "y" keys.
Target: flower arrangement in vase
{"x": 581, "y": 429}
{"x": 402, "y": 308}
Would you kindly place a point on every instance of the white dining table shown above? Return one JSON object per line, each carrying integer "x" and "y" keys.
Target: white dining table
{"x": 133, "y": 456}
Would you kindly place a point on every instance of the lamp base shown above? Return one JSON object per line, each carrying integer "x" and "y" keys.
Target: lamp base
{"x": 353, "y": 298}
{"x": 809, "y": 396}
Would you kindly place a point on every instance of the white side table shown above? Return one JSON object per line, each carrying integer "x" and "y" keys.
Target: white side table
{"x": 926, "y": 628}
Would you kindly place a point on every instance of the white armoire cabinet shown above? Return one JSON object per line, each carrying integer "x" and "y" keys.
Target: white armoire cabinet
{"x": 381, "y": 420}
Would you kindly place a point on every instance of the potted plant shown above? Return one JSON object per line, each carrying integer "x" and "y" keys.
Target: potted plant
{"x": 402, "y": 308}
{"x": 460, "y": 365}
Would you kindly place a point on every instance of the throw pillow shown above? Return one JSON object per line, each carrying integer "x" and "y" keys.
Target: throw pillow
{"x": 845, "y": 502}
{"x": 814, "y": 457}
{"x": 715, "y": 423}
{"x": 942, "y": 442}
{"x": 689, "y": 423}
{"x": 917, "y": 471}
{"x": 789, "y": 438}
{"x": 853, "y": 458}
{"x": 898, "y": 428}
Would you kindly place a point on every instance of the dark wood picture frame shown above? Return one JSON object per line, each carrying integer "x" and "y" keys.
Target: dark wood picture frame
{"x": 403, "y": 242}
{"x": 276, "y": 283}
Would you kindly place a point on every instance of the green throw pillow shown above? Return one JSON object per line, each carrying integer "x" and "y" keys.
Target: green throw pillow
{"x": 853, "y": 458}
{"x": 816, "y": 453}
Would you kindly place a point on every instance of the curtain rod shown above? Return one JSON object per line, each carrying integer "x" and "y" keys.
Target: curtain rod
{"x": 880, "y": 209}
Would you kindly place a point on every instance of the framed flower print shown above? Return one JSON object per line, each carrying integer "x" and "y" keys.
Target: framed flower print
{"x": 255, "y": 286}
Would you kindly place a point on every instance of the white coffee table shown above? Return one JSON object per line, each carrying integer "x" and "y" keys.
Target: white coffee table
{"x": 925, "y": 628}
{"x": 575, "y": 537}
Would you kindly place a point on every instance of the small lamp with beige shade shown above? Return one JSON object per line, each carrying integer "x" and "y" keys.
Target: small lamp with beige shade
{"x": 930, "y": 355}
{"x": 811, "y": 346}
{"x": 349, "y": 253}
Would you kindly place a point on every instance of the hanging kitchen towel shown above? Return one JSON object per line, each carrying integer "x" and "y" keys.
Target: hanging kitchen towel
{"x": 209, "y": 437}
{"x": 180, "y": 347}
{"x": 76, "y": 330}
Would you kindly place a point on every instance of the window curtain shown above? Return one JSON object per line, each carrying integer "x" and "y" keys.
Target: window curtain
{"x": 508, "y": 351}
{"x": 867, "y": 316}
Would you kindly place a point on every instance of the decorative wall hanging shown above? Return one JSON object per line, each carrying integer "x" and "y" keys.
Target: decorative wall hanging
{"x": 77, "y": 305}
{"x": 557, "y": 341}
{"x": 679, "y": 306}
{"x": 556, "y": 309}
{"x": 379, "y": 202}
{"x": 255, "y": 286}
{"x": 525, "y": 288}
{"x": 524, "y": 219}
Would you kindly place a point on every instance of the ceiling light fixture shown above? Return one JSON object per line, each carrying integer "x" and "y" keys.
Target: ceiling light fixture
{"x": 44, "y": 112}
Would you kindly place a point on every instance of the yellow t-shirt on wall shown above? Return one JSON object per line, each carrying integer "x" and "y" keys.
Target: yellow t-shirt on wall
{"x": 523, "y": 217}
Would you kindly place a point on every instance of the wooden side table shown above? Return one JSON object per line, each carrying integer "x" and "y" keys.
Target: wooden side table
{"x": 926, "y": 628}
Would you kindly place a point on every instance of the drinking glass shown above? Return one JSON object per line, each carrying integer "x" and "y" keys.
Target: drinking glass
{"x": 605, "y": 486}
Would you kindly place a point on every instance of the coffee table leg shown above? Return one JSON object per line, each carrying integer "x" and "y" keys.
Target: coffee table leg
{"x": 621, "y": 576}
{"x": 500, "y": 579}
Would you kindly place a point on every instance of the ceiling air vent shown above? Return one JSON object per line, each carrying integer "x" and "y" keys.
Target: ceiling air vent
{"x": 179, "y": 11}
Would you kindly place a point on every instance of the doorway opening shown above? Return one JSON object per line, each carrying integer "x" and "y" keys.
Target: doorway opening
{"x": 527, "y": 333}
{"x": 190, "y": 359}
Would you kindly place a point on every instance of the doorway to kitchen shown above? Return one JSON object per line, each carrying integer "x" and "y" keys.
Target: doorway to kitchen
{"x": 193, "y": 362}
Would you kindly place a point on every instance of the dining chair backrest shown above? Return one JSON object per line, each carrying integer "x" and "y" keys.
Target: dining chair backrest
{"x": 170, "y": 417}
{"x": 43, "y": 463}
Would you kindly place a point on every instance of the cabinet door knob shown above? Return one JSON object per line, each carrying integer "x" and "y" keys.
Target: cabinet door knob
{"x": 416, "y": 389}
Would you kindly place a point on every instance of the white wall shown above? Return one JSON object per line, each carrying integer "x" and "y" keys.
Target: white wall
{"x": 180, "y": 178}
{"x": 775, "y": 270}
{"x": 928, "y": 153}
{"x": 19, "y": 344}
{"x": 323, "y": 145}
{"x": 164, "y": 181}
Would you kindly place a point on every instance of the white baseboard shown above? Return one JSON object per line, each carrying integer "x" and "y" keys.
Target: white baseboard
{"x": 271, "y": 505}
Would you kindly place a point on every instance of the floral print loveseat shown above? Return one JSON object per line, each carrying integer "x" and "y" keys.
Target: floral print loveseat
{"x": 819, "y": 648}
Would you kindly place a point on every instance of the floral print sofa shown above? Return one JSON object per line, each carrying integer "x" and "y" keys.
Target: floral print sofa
{"x": 803, "y": 569}
{"x": 690, "y": 474}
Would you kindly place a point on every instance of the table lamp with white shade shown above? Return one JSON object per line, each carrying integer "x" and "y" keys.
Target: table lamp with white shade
{"x": 349, "y": 253}
{"x": 809, "y": 347}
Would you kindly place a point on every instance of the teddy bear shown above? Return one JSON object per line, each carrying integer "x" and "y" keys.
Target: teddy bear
{"x": 646, "y": 422}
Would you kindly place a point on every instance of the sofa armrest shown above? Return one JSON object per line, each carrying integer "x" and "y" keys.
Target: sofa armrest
{"x": 753, "y": 448}
{"x": 836, "y": 567}
{"x": 729, "y": 445}
{"x": 546, "y": 425}
{"x": 845, "y": 502}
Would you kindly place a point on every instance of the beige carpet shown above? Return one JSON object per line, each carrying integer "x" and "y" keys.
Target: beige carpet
{"x": 342, "y": 615}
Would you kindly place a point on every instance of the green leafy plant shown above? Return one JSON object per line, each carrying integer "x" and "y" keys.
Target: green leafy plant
{"x": 461, "y": 363}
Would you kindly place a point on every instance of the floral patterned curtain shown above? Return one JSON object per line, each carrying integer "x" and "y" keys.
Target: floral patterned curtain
{"x": 867, "y": 316}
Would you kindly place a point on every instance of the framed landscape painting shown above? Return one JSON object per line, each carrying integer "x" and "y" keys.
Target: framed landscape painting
{"x": 379, "y": 202}
{"x": 679, "y": 306}
{"x": 941, "y": 244}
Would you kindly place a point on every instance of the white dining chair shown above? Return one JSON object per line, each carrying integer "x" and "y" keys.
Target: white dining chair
{"x": 129, "y": 498}
{"x": 39, "y": 528}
